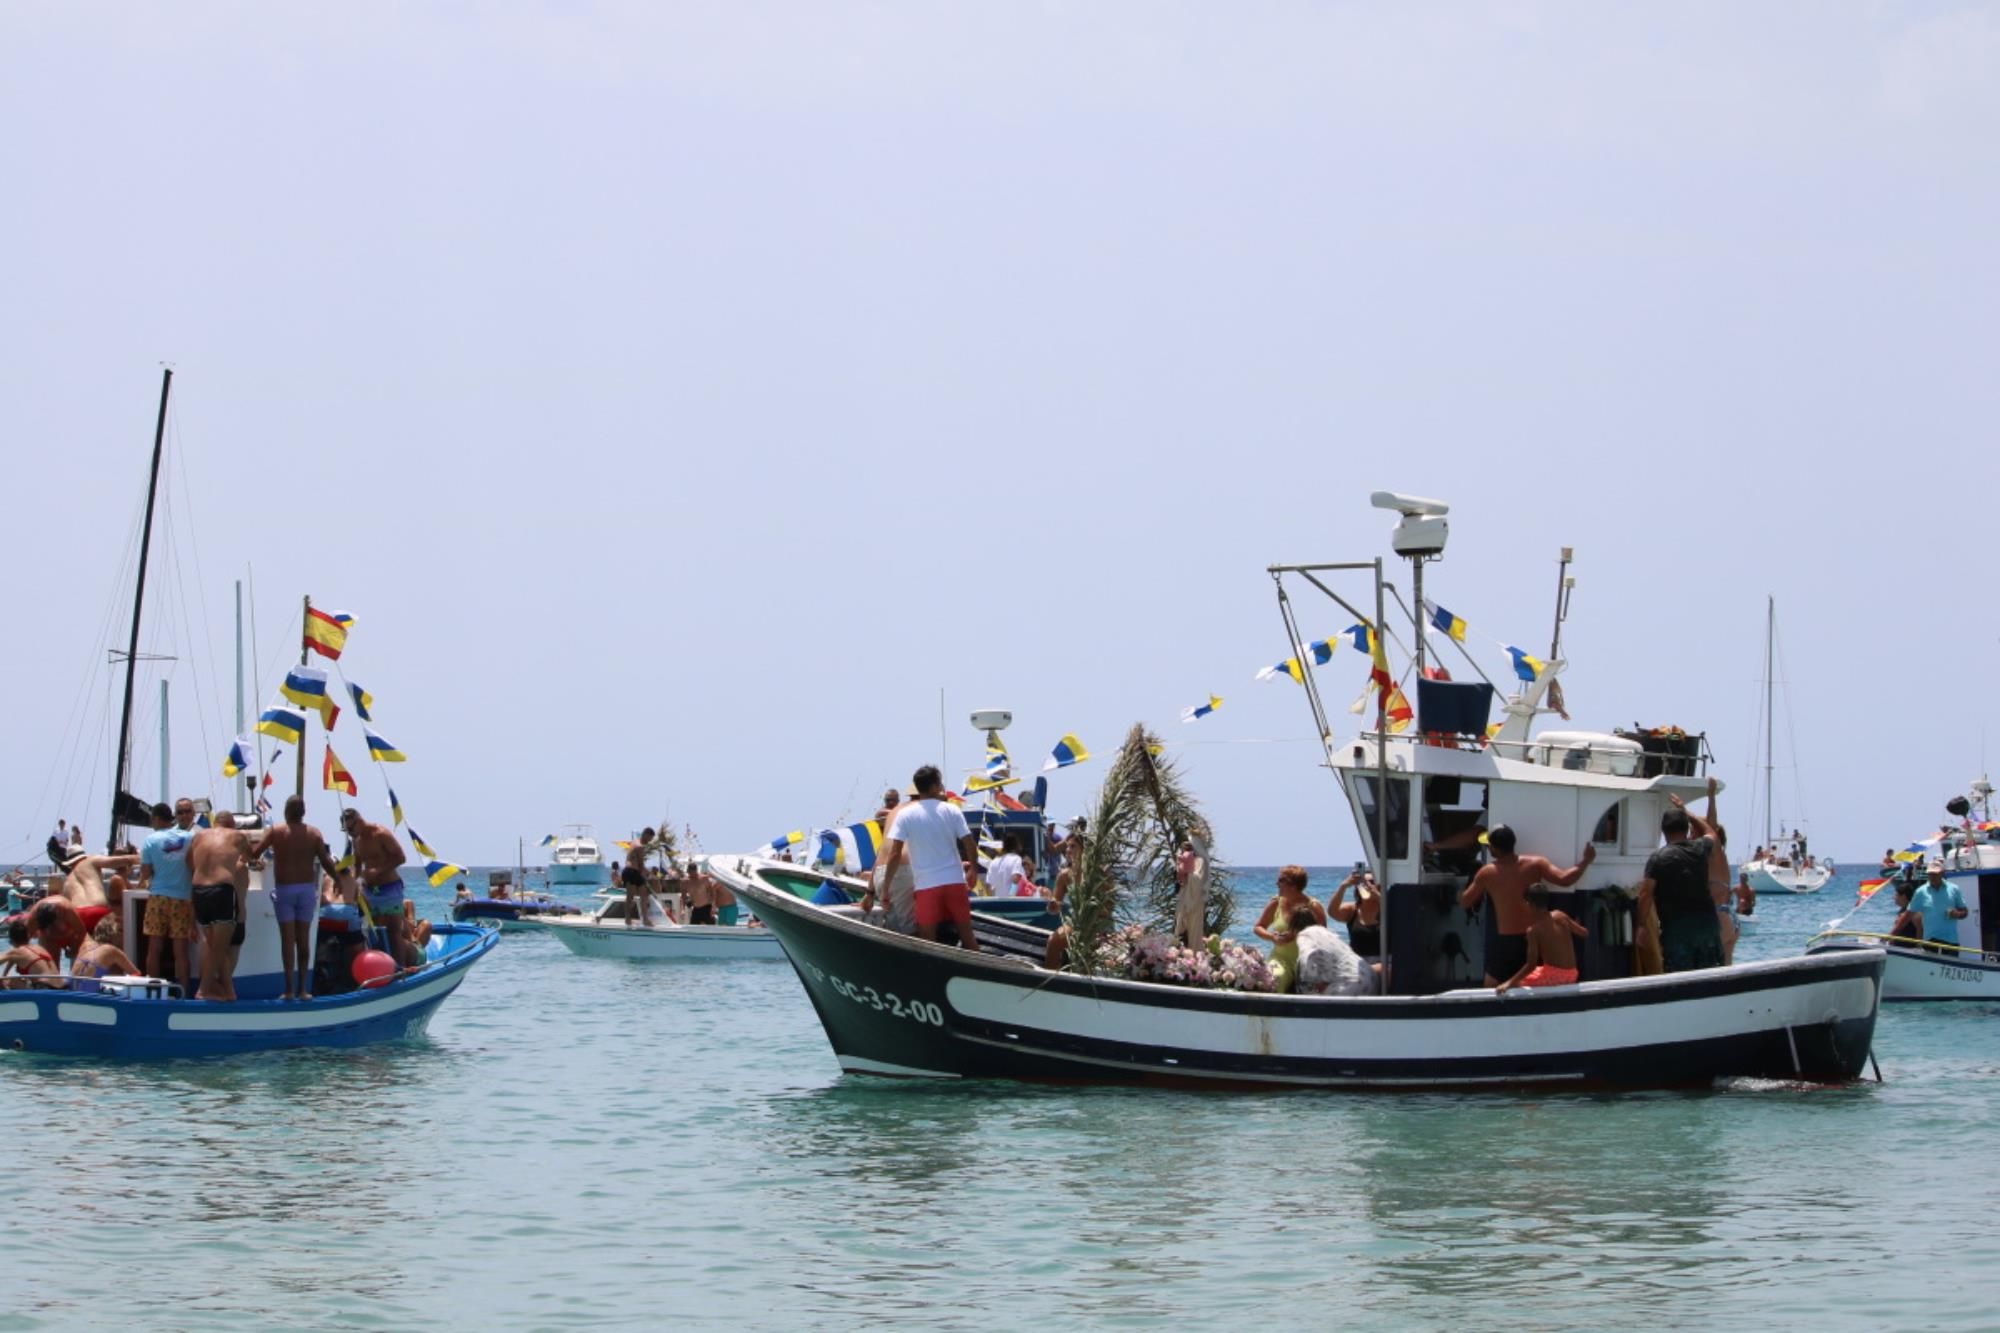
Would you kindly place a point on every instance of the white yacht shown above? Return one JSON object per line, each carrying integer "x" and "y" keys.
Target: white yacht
{"x": 577, "y": 861}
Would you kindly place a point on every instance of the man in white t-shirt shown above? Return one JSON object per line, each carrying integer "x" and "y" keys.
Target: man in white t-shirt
{"x": 930, "y": 833}
{"x": 1004, "y": 874}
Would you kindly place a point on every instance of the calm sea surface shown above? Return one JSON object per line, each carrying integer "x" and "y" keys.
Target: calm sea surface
{"x": 588, "y": 1143}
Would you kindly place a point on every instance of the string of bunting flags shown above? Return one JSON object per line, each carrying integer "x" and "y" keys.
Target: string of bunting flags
{"x": 306, "y": 689}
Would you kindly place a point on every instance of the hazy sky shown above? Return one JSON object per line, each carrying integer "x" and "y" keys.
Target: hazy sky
{"x": 680, "y": 395}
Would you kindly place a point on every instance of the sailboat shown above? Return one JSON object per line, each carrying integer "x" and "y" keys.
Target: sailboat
{"x": 1790, "y": 867}
{"x": 138, "y": 1017}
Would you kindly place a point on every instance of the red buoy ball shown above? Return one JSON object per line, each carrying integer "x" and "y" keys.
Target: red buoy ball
{"x": 372, "y": 967}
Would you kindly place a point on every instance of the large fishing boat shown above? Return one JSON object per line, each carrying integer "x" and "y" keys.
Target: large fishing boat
{"x": 1423, "y": 785}
{"x": 1919, "y": 969}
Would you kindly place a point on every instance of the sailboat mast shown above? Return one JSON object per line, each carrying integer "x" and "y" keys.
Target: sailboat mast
{"x": 299, "y": 768}
{"x": 122, "y": 769}
{"x": 1770, "y": 665}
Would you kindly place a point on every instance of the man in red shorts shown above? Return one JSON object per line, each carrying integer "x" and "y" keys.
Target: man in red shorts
{"x": 931, "y": 833}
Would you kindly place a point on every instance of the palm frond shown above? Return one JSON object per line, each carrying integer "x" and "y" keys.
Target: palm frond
{"x": 1126, "y": 873}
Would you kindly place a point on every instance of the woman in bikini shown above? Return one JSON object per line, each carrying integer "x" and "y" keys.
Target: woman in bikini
{"x": 1363, "y": 916}
{"x": 1275, "y": 925}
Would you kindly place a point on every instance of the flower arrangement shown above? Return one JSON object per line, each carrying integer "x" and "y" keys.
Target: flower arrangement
{"x": 1144, "y": 955}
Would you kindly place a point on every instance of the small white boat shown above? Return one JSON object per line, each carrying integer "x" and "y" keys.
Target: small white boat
{"x": 607, "y": 934}
{"x": 577, "y": 861}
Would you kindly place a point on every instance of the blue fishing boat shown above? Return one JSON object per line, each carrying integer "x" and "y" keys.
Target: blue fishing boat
{"x": 144, "y": 1018}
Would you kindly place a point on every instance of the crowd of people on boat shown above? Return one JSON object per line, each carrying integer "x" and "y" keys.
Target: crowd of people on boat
{"x": 196, "y": 883}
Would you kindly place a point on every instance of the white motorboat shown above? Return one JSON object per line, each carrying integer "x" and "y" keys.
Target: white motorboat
{"x": 1790, "y": 868}
{"x": 577, "y": 861}
{"x": 1917, "y": 969}
{"x": 607, "y": 934}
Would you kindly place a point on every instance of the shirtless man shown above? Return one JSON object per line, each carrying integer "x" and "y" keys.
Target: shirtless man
{"x": 700, "y": 890}
{"x": 298, "y": 853}
{"x": 727, "y": 913}
{"x": 1506, "y": 879}
{"x": 1551, "y": 959}
{"x": 377, "y": 858}
{"x": 85, "y": 888}
{"x": 219, "y": 865}
{"x": 638, "y": 890}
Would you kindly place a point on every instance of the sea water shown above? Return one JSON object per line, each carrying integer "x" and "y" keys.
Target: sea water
{"x": 588, "y": 1143}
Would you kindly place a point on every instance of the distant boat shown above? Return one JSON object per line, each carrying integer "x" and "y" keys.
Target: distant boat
{"x": 1794, "y": 870}
{"x": 577, "y": 860}
{"x": 606, "y": 934}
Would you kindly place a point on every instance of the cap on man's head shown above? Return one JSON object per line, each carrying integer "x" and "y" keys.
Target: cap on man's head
{"x": 1934, "y": 868}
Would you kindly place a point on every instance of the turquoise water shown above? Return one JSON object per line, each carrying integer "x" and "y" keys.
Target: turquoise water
{"x": 590, "y": 1143}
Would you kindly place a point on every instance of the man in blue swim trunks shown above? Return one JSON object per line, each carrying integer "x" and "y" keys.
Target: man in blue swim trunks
{"x": 377, "y": 859}
{"x": 298, "y": 853}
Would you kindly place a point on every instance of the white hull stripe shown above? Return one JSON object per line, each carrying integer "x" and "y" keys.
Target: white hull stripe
{"x": 93, "y": 1015}
{"x": 1354, "y": 1036}
{"x": 302, "y": 1018}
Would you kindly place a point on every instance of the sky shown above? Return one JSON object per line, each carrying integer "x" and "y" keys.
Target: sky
{"x": 682, "y": 396}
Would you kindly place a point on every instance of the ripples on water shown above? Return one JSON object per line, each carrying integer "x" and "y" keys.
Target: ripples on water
{"x": 582, "y": 1143}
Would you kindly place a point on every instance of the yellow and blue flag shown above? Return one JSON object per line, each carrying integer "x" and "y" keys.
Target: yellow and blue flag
{"x": 974, "y": 784}
{"x": 417, "y": 841}
{"x": 306, "y": 687}
{"x": 284, "y": 723}
{"x": 1446, "y": 621}
{"x": 395, "y": 810}
{"x": 784, "y": 840}
{"x": 237, "y": 760}
{"x": 1360, "y": 637}
{"x": 549, "y": 841}
{"x": 998, "y": 765}
{"x": 381, "y": 751}
{"x": 1527, "y": 667}
{"x": 440, "y": 871}
{"x": 1321, "y": 652}
{"x": 363, "y": 701}
{"x": 1069, "y": 750}
{"x": 1200, "y": 711}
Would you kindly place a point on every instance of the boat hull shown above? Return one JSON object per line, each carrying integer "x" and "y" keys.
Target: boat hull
{"x": 1918, "y": 974}
{"x": 508, "y": 916}
{"x": 1767, "y": 879}
{"x": 589, "y": 939}
{"x": 892, "y": 1005}
{"x": 137, "y": 1028}
{"x": 585, "y": 875}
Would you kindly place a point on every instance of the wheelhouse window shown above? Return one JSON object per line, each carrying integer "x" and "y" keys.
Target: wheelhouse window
{"x": 1606, "y": 831}
{"x": 1454, "y": 817}
{"x": 1399, "y": 814}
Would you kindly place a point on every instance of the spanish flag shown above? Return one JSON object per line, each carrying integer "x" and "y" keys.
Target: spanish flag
{"x": 306, "y": 687}
{"x": 326, "y": 632}
{"x": 282, "y": 722}
{"x": 1395, "y": 708}
{"x": 440, "y": 871}
{"x": 1868, "y": 888}
{"x": 334, "y": 775}
{"x": 381, "y": 751}
{"x": 236, "y": 761}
